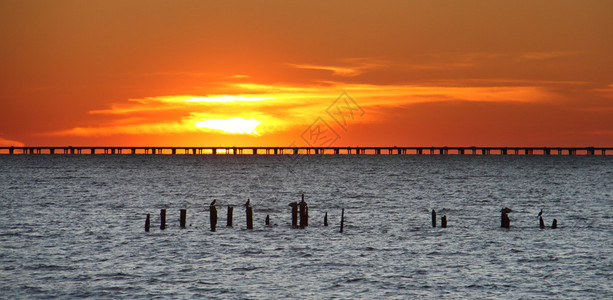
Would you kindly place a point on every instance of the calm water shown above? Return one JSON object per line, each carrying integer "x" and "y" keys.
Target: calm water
{"x": 73, "y": 226}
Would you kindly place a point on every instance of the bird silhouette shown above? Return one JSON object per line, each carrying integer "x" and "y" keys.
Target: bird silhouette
{"x": 213, "y": 203}
{"x": 540, "y": 213}
{"x": 247, "y": 203}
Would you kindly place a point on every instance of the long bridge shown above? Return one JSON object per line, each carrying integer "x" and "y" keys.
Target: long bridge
{"x": 312, "y": 150}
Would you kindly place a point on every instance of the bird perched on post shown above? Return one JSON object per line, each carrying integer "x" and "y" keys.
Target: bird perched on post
{"x": 213, "y": 203}
{"x": 247, "y": 203}
{"x": 540, "y": 213}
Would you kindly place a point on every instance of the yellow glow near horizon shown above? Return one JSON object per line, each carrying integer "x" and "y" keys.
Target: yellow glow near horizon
{"x": 223, "y": 98}
{"x": 233, "y": 125}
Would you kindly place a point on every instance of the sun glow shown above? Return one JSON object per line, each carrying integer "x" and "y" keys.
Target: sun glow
{"x": 221, "y": 98}
{"x": 233, "y": 125}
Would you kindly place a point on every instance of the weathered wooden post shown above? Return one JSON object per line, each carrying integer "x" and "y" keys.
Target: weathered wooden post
{"x": 267, "y": 220}
{"x": 326, "y": 219}
{"x": 505, "y": 222}
{"x": 303, "y": 214}
{"x": 213, "y": 217}
{"x": 230, "y": 213}
{"x": 554, "y": 225}
{"x": 294, "y": 206}
{"x": 444, "y": 222}
{"x": 249, "y": 212}
{"x": 147, "y": 223}
{"x": 163, "y": 219}
{"x": 342, "y": 219}
{"x": 182, "y": 218}
{"x": 541, "y": 223}
{"x": 433, "y": 218}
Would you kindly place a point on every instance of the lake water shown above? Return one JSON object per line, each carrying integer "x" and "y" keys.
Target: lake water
{"x": 73, "y": 226}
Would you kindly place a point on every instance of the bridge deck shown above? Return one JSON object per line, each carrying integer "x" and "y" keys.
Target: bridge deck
{"x": 314, "y": 150}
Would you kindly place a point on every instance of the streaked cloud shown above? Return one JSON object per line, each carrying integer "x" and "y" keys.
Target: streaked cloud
{"x": 8, "y": 143}
{"x": 279, "y": 107}
{"x": 349, "y": 67}
{"x": 548, "y": 55}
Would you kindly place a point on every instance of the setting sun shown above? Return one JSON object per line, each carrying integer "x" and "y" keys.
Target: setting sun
{"x": 233, "y": 125}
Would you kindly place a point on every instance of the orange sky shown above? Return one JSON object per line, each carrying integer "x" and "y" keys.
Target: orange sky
{"x": 319, "y": 73}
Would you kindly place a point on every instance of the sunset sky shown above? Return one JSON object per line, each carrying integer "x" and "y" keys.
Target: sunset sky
{"x": 275, "y": 73}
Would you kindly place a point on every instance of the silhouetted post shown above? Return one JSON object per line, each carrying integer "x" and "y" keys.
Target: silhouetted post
{"x": 303, "y": 213}
{"x": 249, "y": 212}
{"x": 433, "y": 218}
{"x": 505, "y": 222}
{"x": 541, "y": 223}
{"x": 267, "y": 220}
{"x": 230, "y": 212}
{"x": 213, "y": 217}
{"x": 182, "y": 218}
{"x": 444, "y": 222}
{"x": 326, "y": 219}
{"x": 147, "y": 223}
{"x": 162, "y": 219}
{"x": 554, "y": 225}
{"x": 342, "y": 219}
{"x": 294, "y": 206}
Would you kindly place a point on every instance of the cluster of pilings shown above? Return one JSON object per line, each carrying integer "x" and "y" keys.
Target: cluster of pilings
{"x": 300, "y": 217}
{"x": 505, "y": 221}
{"x": 443, "y": 220}
{"x": 298, "y": 209}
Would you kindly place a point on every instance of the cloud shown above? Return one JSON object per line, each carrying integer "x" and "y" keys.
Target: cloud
{"x": 352, "y": 67}
{"x": 605, "y": 91}
{"x": 547, "y": 55}
{"x": 8, "y": 143}
{"x": 279, "y": 107}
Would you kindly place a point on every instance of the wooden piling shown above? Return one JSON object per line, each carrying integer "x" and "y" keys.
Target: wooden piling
{"x": 444, "y": 222}
{"x": 505, "y": 222}
{"x": 342, "y": 219}
{"x": 326, "y": 219}
{"x": 230, "y": 213}
{"x": 433, "y": 218}
{"x": 213, "y": 217}
{"x": 162, "y": 219}
{"x": 147, "y": 223}
{"x": 303, "y": 213}
{"x": 267, "y": 220}
{"x": 182, "y": 218}
{"x": 294, "y": 206}
{"x": 554, "y": 225}
{"x": 249, "y": 212}
{"x": 541, "y": 223}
